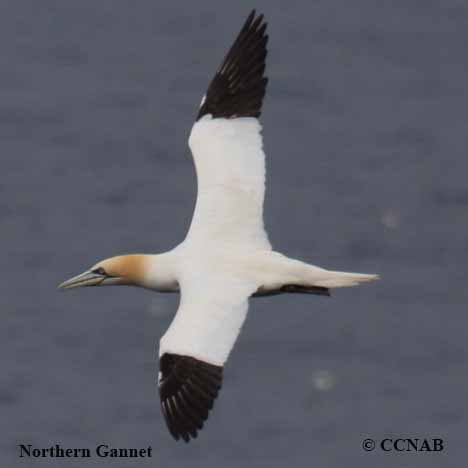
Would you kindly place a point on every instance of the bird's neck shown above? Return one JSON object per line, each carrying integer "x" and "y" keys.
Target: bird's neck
{"x": 160, "y": 272}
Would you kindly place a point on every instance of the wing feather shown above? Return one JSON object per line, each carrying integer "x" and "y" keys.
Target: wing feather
{"x": 185, "y": 407}
{"x": 238, "y": 87}
{"x": 194, "y": 349}
{"x": 230, "y": 166}
{"x": 227, "y": 147}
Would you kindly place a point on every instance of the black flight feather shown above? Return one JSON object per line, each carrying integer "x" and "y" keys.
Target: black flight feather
{"x": 187, "y": 388}
{"x": 238, "y": 88}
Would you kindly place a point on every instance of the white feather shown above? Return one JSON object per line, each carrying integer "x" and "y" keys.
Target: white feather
{"x": 230, "y": 166}
{"x": 227, "y": 256}
{"x": 227, "y": 224}
{"x": 212, "y": 310}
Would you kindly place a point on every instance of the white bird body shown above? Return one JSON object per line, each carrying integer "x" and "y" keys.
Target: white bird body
{"x": 212, "y": 277}
{"x": 226, "y": 257}
{"x": 268, "y": 270}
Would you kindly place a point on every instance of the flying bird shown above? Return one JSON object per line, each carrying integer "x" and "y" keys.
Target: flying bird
{"x": 226, "y": 257}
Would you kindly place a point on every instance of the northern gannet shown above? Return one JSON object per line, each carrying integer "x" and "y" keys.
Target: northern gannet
{"x": 226, "y": 257}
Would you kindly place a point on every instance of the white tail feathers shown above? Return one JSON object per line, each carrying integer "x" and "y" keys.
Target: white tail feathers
{"x": 340, "y": 279}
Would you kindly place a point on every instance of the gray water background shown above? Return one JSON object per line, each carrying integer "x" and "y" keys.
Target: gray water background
{"x": 365, "y": 127}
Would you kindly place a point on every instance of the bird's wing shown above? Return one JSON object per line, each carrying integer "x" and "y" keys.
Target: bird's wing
{"x": 194, "y": 349}
{"x": 227, "y": 147}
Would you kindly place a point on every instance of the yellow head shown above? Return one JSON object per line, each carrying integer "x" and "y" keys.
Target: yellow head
{"x": 122, "y": 270}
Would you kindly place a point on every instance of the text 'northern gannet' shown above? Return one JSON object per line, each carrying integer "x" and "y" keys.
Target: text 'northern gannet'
{"x": 226, "y": 257}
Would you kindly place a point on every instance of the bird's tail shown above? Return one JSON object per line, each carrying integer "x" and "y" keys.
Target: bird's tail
{"x": 340, "y": 279}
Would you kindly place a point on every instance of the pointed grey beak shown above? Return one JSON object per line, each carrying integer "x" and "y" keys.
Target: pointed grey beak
{"x": 88, "y": 278}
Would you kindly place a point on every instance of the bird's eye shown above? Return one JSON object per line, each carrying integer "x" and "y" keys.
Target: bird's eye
{"x": 99, "y": 271}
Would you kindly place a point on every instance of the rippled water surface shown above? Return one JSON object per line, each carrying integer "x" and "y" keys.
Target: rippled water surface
{"x": 365, "y": 129}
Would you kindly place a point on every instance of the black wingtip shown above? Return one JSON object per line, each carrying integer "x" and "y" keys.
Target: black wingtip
{"x": 187, "y": 388}
{"x": 239, "y": 86}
